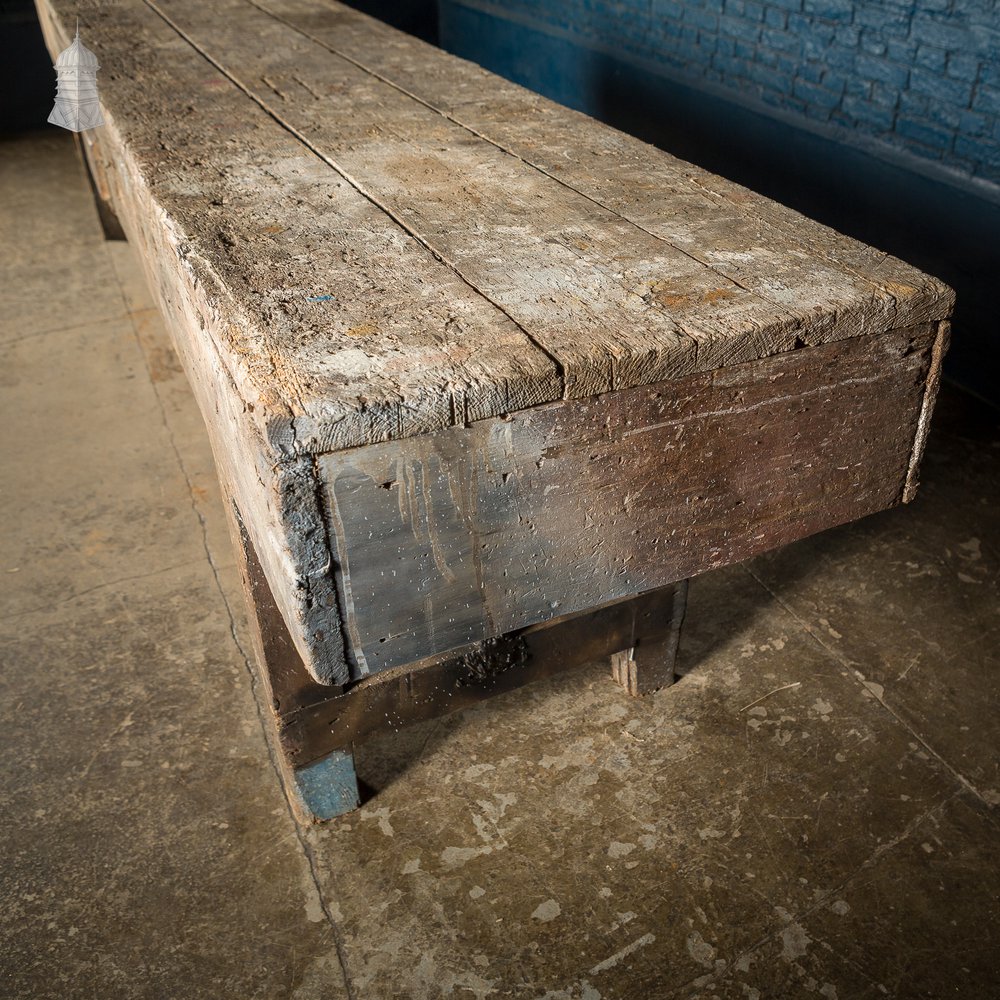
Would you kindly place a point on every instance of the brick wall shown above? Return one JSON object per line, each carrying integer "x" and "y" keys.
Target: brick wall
{"x": 921, "y": 77}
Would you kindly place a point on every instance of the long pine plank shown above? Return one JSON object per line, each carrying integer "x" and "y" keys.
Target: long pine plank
{"x": 764, "y": 246}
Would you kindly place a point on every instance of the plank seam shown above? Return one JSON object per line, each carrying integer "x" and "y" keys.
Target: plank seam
{"x": 497, "y": 145}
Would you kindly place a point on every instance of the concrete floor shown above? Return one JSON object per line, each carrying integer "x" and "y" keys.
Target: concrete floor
{"x": 837, "y": 840}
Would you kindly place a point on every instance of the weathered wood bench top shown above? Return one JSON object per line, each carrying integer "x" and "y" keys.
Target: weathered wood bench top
{"x": 361, "y": 240}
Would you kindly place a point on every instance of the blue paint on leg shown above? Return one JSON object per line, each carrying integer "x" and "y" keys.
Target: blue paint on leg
{"x": 329, "y": 787}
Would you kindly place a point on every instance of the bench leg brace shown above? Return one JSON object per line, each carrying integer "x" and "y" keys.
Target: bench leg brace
{"x": 650, "y": 664}
{"x": 314, "y": 724}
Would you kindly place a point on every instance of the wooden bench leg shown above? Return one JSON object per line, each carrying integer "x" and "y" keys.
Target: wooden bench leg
{"x": 649, "y": 665}
{"x": 326, "y": 788}
{"x": 97, "y": 176}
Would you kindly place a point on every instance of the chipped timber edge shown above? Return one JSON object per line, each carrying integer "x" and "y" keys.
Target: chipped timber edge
{"x": 927, "y": 408}
{"x": 275, "y": 513}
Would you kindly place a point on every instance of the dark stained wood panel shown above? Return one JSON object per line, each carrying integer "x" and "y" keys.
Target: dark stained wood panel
{"x": 482, "y": 530}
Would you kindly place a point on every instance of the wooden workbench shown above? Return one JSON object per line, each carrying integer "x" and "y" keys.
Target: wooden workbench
{"x": 486, "y": 380}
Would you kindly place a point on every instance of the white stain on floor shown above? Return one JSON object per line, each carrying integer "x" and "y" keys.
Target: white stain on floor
{"x": 794, "y": 942}
{"x": 619, "y": 849}
{"x": 546, "y": 911}
{"x": 613, "y": 960}
{"x": 700, "y": 950}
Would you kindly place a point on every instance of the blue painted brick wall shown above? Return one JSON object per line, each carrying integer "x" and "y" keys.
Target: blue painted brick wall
{"x": 922, "y": 77}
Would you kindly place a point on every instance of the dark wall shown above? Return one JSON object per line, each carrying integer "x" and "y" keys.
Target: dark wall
{"x": 943, "y": 221}
{"x": 416, "y": 17}
{"x": 27, "y": 79}
{"x": 919, "y": 77}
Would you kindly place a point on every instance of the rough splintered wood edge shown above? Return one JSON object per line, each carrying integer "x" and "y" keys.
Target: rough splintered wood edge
{"x": 924, "y": 420}
{"x": 276, "y": 489}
